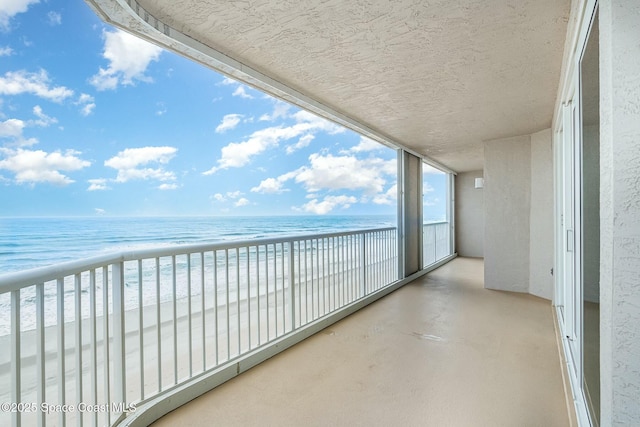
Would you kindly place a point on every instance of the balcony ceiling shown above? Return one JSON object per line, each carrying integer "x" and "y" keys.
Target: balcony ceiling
{"x": 436, "y": 76}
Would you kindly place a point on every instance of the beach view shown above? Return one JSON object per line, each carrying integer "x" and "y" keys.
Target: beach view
{"x": 159, "y": 219}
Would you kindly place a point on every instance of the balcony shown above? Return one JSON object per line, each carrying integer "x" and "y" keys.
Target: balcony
{"x": 113, "y": 338}
{"x": 442, "y": 350}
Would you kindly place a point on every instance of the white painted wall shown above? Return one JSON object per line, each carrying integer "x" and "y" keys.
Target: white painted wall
{"x": 541, "y": 215}
{"x": 507, "y": 199}
{"x": 469, "y": 215}
{"x": 620, "y": 212}
{"x": 518, "y": 200}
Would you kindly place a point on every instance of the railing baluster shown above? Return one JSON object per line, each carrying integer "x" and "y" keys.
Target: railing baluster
{"x": 105, "y": 340}
{"x": 215, "y": 304}
{"x": 352, "y": 267}
{"x": 284, "y": 276}
{"x": 363, "y": 264}
{"x": 78, "y": 344}
{"x": 324, "y": 277}
{"x": 94, "y": 343}
{"x": 258, "y": 296}
{"x": 119, "y": 359}
{"x": 174, "y": 319}
{"x": 317, "y": 269}
{"x": 226, "y": 279}
{"x": 41, "y": 377}
{"x": 140, "y": 329}
{"x": 299, "y": 284}
{"x": 266, "y": 274}
{"x": 189, "y": 316}
{"x": 62, "y": 376}
{"x": 202, "y": 314}
{"x": 238, "y": 299}
{"x": 158, "y": 325}
{"x": 16, "y": 358}
{"x": 292, "y": 286}
{"x": 275, "y": 291}
{"x": 248, "y": 259}
{"x": 338, "y": 277}
{"x": 306, "y": 285}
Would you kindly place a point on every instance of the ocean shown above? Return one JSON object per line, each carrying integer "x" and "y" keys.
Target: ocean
{"x": 31, "y": 242}
{"x": 27, "y": 243}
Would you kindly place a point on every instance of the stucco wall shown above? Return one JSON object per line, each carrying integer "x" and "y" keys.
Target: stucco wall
{"x": 541, "y": 215}
{"x": 507, "y": 199}
{"x": 469, "y": 215}
{"x": 620, "y": 211}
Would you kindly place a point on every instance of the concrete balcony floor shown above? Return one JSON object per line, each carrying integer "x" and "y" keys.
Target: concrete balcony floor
{"x": 441, "y": 351}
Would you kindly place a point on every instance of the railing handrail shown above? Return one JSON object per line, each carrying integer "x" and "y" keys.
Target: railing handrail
{"x": 435, "y": 223}
{"x": 20, "y": 279}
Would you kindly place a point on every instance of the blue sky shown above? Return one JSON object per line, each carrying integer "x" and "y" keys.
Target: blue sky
{"x": 94, "y": 121}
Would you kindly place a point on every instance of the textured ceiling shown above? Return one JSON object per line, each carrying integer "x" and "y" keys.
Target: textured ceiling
{"x": 438, "y": 77}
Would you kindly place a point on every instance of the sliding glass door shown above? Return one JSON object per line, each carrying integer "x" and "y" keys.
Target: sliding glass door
{"x": 578, "y": 227}
{"x": 437, "y": 229}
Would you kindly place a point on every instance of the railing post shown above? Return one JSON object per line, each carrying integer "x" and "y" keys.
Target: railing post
{"x": 119, "y": 377}
{"x": 363, "y": 261}
{"x": 292, "y": 284}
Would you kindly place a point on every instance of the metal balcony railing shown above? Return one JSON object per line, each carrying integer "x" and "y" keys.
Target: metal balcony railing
{"x": 88, "y": 342}
{"x": 436, "y": 241}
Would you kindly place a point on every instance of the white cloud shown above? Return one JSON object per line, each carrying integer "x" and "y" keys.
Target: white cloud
{"x": 345, "y": 172}
{"x": 238, "y": 154}
{"x": 10, "y": 8}
{"x": 430, "y": 202}
{"x": 274, "y": 185}
{"x": 234, "y": 194}
{"x": 280, "y": 110}
{"x": 99, "y": 211}
{"x": 11, "y": 128}
{"x": 86, "y": 103}
{"x": 87, "y": 109}
{"x": 302, "y": 142}
{"x": 54, "y": 18}
{"x": 365, "y": 145}
{"x": 241, "y": 202}
{"x": 229, "y": 122}
{"x": 128, "y": 56}
{"x": 335, "y": 173}
{"x": 269, "y": 186}
{"x": 327, "y": 204}
{"x": 162, "y": 109}
{"x": 219, "y": 197}
{"x": 427, "y": 188}
{"x": 228, "y": 81}
{"x": 168, "y": 186}
{"x": 242, "y": 93}
{"x": 317, "y": 122}
{"x": 98, "y": 184}
{"x": 20, "y": 82}
{"x": 33, "y": 166}
{"x": 388, "y": 197}
{"x": 43, "y": 119}
{"x": 428, "y": 169}
{"x": 128, "y": 163}
{"x": 85, "y": 98}
{"x": 6, "y": 51}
